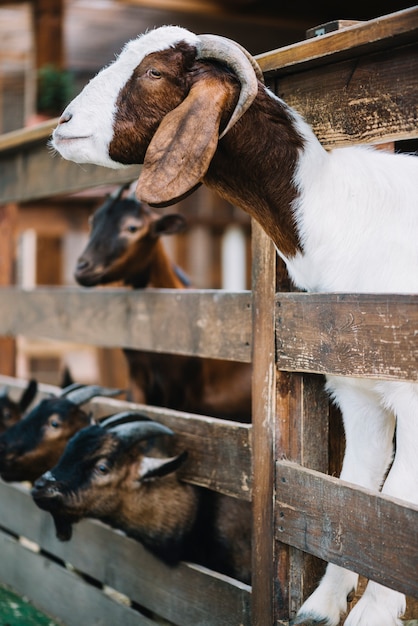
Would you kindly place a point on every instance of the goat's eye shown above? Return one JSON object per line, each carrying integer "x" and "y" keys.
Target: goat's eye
{"x": 54, "y": 424}
{"x": 102, "y": 468}
{"x": 131, "y": 228}
{"x": 154, "y": 73}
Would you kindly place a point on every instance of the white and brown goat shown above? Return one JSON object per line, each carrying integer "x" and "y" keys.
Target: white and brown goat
{"x": 190, "y": 108}
{"x": 125, "y": 246}
{"x": 108, "y": 472}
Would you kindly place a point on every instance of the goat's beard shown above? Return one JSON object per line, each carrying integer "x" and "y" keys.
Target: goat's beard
{"x": 63, "y": 526}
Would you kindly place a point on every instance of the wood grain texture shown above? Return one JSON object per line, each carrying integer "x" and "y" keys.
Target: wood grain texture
{"x": 263, "y": 419}
{"x": 219, "y": 451}
{"x": 383, "y": 32}
{"x": 370, "y": 335}
{"x": 123, "y": 564}
{"x": 208, "y": 323}
{"x": 371, "y": 534}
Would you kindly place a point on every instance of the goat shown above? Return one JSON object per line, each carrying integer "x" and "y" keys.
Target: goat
{"x": 191, "y": 109}
{"x": 106, "y": 472}
{"x": 125, "y": 246}
{"x": 34, "y": 444}
{"x": 11, "y": 411}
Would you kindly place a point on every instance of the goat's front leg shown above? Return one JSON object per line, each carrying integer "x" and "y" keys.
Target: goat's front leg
{"x": 379, "y": 605}
{"x": 369, "y": 430}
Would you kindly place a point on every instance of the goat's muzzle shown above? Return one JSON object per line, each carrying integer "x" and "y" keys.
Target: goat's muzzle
{"x": 46, "y": 493}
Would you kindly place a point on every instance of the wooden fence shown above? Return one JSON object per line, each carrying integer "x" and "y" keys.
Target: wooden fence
{"x": 355, "y": 85}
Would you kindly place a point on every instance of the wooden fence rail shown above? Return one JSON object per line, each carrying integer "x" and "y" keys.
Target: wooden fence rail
{"x": 359, "y": 85}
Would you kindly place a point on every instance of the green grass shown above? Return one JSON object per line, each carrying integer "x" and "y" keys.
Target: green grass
{"x": 17, "y": 611}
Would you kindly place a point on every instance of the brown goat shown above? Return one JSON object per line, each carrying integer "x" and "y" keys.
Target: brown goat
{"x": 125, "y": 246}
{"x": 106, "y": 472}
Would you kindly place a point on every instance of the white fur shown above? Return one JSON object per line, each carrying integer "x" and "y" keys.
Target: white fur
{"x": 86, "y": 137}
{"x": 357, "y": 216}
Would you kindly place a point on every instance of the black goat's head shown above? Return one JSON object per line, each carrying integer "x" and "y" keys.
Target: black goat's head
{"x": 34, "y": 444}
{"x": 102, "y": 467}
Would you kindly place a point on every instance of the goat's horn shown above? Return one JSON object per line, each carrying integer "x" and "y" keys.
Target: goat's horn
{"x": 241, "y": 62}
{"x": 69, "y": 388}
{"x": 138, "y": 431}
{"x": 86, "y": 393}
{"x": 123, "y": 418}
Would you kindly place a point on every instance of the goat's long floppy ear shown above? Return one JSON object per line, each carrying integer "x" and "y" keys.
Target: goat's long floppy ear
{"x": 182, "y": 148}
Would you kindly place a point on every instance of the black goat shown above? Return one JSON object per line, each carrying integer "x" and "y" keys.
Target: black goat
{"x": 106, "y": 472}
{"x": 35, "y": 443}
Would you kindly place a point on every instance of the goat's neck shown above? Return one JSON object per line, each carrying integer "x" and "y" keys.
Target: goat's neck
{"x": 255, "y": 164}
{"x": 159, "y": 272}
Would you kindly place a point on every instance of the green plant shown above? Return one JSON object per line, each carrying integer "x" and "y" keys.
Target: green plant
{"x": 54, "y": 90}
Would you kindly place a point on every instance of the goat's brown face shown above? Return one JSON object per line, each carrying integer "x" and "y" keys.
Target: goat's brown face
{"x": 157, "y": 86}
{"x": 122, "y": 242}
{"x": 119, "y": 244}
{"x": 35, "y": 443}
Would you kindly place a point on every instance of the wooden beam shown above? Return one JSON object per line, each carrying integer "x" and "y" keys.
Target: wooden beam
{"x": 197, "y": 322}
{"x": 331, "y": 333}
{"x": 48, "y": 20}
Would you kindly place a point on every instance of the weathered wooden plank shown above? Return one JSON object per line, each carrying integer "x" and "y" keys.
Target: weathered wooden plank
{"x": 302, "y": 436}
{"x": 370, "y": 99}
{"x": 219, "y": 451}
{"x": 383, "y": 32}
{"x": 213, "y": 323}
{"x": 123, "y": 564}
{"x": 353, "y": 527}
{"x": 263, "y": 419}
{"x": 371, "y": 335}
{"x": 53, "y": 588}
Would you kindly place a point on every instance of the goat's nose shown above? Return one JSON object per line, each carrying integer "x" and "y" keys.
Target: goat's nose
{"x": 65, "y": 117}
{"x": 82, "y": 264}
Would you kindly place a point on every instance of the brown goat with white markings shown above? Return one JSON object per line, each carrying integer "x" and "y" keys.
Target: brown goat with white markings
{"x": 192, "y": 109}
{"x": 109, "y": 473}
{"x": 125, "y": 246}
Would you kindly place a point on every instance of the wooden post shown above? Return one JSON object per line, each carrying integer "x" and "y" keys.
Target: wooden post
{"x": 48, "y": 30}
{"x": 8, "y": 220}
{"x": 263, "y": 427}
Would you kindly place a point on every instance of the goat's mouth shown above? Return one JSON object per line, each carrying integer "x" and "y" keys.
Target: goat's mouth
{"x": 57, "y": 138}
{"x": 88, "y": 278}
{"x": 48, "y": 498}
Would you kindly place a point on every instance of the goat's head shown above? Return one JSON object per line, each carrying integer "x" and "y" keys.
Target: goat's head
{"x": 165, "y": 102}
{"x": 102, "y": 468}
{"x": 123, "y": 238}
{"x": 35, "y": 443}
{"x": 11, "y": 411}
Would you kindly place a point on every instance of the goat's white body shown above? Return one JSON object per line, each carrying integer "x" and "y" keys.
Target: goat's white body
{"x": 357, "y": 216}
{"x": 357, "y": 220}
